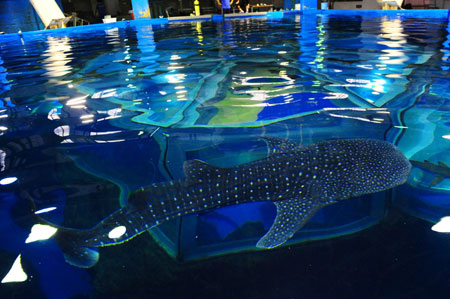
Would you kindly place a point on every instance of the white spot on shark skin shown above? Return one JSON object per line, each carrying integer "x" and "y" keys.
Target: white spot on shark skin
{"x": 443, "y": 226}
{"x": 40, "y": 232}
{"x": 16, "y": 273}
{"x": 117, "y": 232}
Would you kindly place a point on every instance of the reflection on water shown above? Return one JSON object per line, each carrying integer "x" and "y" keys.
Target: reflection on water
{"x": 443, "y": 226}
{"x": 205, "y": 73}
{"x": 40, "y": 232}
{"x": 57, "y": 57}
{"x": 16, "y": 273}
{"x": 88, "y": 118}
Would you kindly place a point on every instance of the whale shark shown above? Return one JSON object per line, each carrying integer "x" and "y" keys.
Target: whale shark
{"x": 298, "y": 179}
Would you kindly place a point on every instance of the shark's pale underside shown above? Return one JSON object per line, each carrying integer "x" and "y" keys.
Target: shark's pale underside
{"x": 298, "y": 179}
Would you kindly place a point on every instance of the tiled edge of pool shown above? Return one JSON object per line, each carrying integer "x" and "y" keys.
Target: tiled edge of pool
{"x": 419, "y": 13}
{"x": 428, "y": 13}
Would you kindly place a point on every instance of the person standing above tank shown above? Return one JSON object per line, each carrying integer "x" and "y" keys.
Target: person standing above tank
{"x": 243, "y": 5}
{"x": 225, "y": 5}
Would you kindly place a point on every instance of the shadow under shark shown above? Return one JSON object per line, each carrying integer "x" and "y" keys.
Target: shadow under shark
{"x": 298, "y": 179}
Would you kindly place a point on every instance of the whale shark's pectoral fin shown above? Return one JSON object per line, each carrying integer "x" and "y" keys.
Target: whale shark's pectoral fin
{"x": 292, "y": 214}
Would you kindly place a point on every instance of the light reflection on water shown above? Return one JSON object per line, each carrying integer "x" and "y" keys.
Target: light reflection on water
{"x": 170, "y": 78}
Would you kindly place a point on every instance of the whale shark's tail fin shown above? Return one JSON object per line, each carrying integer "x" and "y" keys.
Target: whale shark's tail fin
{"x": 69, "y": 240}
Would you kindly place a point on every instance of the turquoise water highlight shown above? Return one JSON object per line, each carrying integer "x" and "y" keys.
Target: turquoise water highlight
{"x": 87, "y": 116}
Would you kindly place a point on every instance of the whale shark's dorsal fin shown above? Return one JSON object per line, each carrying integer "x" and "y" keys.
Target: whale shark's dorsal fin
{"x": 197, "y": 171}
{"x": 292, "y": 214}
{"x": 278, "y": 145}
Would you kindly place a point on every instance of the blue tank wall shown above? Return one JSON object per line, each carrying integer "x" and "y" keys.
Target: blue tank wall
{"x": 290, "y": 4}
{"x": 18, "y": 15}
{"x": 304, "y": 4}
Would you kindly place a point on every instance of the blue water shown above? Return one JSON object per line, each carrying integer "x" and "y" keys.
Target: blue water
{"x": 89, "y": 115}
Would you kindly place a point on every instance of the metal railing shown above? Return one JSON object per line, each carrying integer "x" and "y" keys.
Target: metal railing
{"x": 75, "y": 20}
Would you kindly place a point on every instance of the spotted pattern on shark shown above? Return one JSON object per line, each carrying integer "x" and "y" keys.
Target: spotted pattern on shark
{"x": 298, "y": 179}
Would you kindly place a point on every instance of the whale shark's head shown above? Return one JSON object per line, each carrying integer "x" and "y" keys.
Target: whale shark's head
{"x": 365, "y": 166}
{"x": 387, "y": 166}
